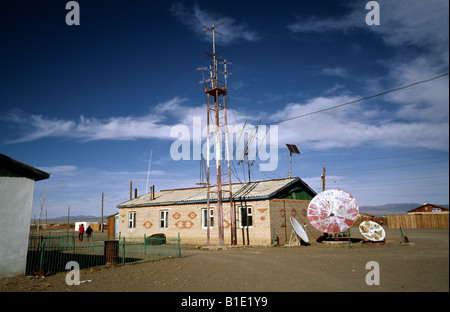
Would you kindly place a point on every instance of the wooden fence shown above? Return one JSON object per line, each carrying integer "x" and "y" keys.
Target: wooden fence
{"x": 418, "y": 221}
{"x": 412, "y": 221}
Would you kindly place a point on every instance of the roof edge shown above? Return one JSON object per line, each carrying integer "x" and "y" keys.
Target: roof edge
{"x": 12, "y": 165}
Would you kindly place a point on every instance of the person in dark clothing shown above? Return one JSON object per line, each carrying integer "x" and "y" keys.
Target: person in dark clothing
{"x": 89, "y": 231}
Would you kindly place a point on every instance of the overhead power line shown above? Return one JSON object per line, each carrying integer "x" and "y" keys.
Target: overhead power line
{"x": 359, "y": 100}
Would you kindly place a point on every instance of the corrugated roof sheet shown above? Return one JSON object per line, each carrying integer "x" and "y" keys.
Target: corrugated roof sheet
{"x": 253, "y": 190}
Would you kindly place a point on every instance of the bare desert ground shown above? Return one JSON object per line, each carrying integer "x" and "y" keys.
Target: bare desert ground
{"x": 422, "y": 265}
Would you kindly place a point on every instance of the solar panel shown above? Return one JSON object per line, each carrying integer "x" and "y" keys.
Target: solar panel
{"x": 293, "y": 149}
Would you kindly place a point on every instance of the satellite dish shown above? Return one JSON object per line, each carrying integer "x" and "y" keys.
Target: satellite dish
{"x": 372, "y": 231}
{"x": 299, "y": 230}
{"x": 333, "y": 211}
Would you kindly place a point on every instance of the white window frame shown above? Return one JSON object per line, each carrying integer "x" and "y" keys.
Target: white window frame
{"x": 249, "y": 209}
{"x": 132, "y": 219}
{"x": 164, "y": 219}
{"x": 211, "y": 218}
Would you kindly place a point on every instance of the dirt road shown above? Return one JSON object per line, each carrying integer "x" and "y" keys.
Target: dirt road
{"x": 420, "y": 266}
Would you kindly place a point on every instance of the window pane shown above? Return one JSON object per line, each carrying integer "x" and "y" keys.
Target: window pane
{"x": 205, "y": 218}
{"x": 132, "y": 219}
{"x": 246, "y": 216}
{"x": 243, "y": 216}
{"x": 163, "y": 214}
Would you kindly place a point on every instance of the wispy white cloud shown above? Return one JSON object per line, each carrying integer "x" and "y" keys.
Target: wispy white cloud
{"x": 420, "y": 23}
{"x": 118, "y": 128}
{"x": 157, "y": 124}
{"x": 315, "y": 25}
{"x": 152, "y": 125}
{"x": 69, "y": 169}
{"x": 416, "y": 117}
{"x": 428, "y": 102}
{"x": 196, "y": 18}
{"x": 334, "y": 88}
{"x": 336, "y": 71}
{"x": 356, "y": 125}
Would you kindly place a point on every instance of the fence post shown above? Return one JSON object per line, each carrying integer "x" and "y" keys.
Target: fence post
{"x": 145, "y": 239}
{"x": 349, "y": 245}
{"x": 179, "y": 248}
{"x": 123, "y": 251}
{"x": 41, "y": 255}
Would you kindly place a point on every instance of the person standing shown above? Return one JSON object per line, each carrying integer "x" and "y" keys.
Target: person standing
{"x": 80, "y": 232}
{"x": 89, "y": 231}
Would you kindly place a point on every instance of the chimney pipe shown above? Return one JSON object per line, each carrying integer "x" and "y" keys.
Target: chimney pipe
{"x": 135, "y": 192}
{"x": 153, "y": 192}
{"x": 131, "y": 190}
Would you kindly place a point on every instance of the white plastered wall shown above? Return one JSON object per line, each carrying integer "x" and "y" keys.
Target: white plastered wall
{"x": 16, "y": 198}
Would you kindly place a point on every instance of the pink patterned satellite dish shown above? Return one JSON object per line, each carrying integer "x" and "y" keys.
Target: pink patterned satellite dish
{"x": 333, "y": 211}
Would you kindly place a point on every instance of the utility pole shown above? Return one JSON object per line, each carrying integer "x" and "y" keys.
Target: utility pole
{"x": 323, "y": 179}
{"x": 102, "y": 212}
{"x": 68, "y": 219}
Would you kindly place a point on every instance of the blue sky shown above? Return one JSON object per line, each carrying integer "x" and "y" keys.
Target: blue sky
{"x": 89, "y": 103}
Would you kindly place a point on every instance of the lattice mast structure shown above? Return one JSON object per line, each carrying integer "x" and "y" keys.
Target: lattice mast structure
{"x": 216, "y": 92}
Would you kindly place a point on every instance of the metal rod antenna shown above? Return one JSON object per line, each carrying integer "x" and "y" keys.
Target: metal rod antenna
{"x": 225, "y": 71}
{"x": 207, "y": 173}
{"x": 148, "y": 170}
{"x": 211, "y": 76}
{"x": 214, "y": 57}
{"x": 227, "y": 147}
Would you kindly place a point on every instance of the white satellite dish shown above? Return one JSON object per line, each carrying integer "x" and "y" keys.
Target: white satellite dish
{"x": 333, "y": 211}
{"x": 299, "y": 230}
{"x": 372, "y": 231}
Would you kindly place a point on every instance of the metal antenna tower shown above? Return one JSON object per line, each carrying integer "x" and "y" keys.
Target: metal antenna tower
{"x": 217, "y": 90}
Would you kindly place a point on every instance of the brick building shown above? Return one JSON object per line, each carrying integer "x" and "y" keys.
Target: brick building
{"x": 262, "y": 210}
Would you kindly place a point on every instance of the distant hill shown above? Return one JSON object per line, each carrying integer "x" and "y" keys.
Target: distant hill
{"x": 72, "y": 219}
{"x": 390, "y": 209}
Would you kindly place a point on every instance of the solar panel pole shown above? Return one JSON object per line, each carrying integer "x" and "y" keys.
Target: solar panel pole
{"x": 292, "y": 149}
{"x": 290, "y": 165}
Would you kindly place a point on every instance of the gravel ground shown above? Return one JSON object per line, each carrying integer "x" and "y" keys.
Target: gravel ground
{"x": 422, "y": 265}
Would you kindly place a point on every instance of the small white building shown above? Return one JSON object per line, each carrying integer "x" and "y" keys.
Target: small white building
{"x": 16, "y": 198}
